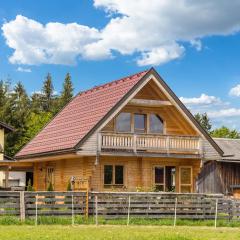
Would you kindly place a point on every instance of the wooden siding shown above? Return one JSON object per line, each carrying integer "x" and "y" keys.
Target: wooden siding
{"x": 138, "y": 172}
{"x": 217, "y": 177}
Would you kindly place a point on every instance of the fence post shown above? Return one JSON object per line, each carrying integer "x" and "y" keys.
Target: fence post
{"x": 22, "y": 206}
{"x": 129, "y": 205}
{"x": 175, "y": 213}
{"x": 96, "y": 209}
{"x": 36, "y": 210}
{"x": 72, "y": 211}
{"x": 216, "y": 212}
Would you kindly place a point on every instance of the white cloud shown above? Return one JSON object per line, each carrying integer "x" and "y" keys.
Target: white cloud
{"x": 235, "y": 91}
{"x": 154, "y": 30}
{"x": 21, "y": 69}
{"x": 229, "y": 112}
{"x": 204, "y": 99}
{"x": 55, "y": 43}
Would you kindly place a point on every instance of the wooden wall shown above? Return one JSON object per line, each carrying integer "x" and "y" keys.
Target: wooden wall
{"x": 216, "y": 177}
{"x": 138, "y": 172}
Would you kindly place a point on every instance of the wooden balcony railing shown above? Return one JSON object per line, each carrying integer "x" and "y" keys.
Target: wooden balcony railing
{"x": 151, "y": 143}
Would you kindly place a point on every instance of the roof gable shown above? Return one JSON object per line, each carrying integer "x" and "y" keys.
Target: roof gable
{"x": 91, "y": 110}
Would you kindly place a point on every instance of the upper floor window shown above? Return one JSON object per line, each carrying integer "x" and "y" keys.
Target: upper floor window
{"x": 139, "y": 123}
{"x": 123, "y": 122}
{"x": 156, "y": 124}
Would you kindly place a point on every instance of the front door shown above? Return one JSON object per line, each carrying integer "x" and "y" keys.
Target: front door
{"x": 164, "y": 178}
{"x": 185, "y": 179}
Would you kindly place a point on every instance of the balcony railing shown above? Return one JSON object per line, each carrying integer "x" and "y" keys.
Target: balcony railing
{"x": 151, "y": 143}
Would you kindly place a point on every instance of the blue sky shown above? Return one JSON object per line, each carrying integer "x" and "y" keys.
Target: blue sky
{"x": 194, "y": 46}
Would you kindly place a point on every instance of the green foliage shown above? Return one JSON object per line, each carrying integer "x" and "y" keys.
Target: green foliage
{"x": 204, "y": 121}
{"x": 67, "y": 93}
{"x": 69, "y": 186}
{"x": 28, "y": 114}
{"x": 50, "y": 187}
{"x": 224, "y": 132}
{"x": 29, "y": 186}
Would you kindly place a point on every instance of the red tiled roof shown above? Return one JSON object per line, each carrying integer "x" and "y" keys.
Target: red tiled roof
{"x": 69, "y": 126}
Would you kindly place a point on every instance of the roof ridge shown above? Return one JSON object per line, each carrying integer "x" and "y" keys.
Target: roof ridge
{"x": 112, "y": 82}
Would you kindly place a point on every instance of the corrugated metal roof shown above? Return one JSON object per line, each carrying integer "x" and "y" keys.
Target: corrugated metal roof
{"x": 231, "y": 148}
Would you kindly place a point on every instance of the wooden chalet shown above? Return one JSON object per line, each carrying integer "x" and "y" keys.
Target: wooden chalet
{"x": 133, "y": 134}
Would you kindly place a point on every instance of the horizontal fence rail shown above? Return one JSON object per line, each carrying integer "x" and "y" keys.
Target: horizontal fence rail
{"x": 154, "y": 143}
{"x": 115, "y": 205}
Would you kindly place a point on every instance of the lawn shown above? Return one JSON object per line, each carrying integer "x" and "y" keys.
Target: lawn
{"x": 116, "y": 232}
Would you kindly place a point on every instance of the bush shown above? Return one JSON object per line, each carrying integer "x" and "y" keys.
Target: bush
{"x": 29, "y": 186}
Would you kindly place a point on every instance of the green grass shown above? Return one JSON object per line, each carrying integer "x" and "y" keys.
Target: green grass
{"x": 91, "y": 232}
{"x": 79, "y": 220}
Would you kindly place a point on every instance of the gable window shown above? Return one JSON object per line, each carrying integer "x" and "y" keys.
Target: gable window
{"x": 123, "y": 122}
{"x": 113, "y": 175}
{"x": 155, "y": 124}
{"x": 139, "y": 123}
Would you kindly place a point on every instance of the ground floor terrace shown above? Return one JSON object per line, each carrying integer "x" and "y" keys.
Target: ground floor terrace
{"x": 117, "y": 173}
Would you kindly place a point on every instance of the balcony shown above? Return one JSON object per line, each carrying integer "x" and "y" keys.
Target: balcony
{"x": 170, "y": 144}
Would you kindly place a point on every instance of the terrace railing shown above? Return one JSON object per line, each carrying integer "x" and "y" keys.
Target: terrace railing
{"x": 151, "y": 143}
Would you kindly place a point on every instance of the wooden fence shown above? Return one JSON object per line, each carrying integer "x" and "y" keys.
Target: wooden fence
{"x": 109, "y": 205}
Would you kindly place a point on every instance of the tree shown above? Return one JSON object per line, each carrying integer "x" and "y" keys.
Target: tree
{"x": 225, "y": 132}
{"x": 204, "y": 121}
{"x": 67, "y": 92}
{"x": 16, "y": 114}
{"x": 47, "y": 91}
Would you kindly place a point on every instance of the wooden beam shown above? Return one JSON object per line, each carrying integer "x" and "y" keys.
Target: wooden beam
{"x": 149, "y": 103}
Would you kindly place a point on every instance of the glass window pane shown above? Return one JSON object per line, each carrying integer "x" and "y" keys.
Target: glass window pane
{"x": 123, "y": 122}
{"x": 185, "y": 175}
{"x": 159, "y": 175}
{"x": 108, "y": 174}
{"x": 118, "y": 174}
{"x": 156, "y": 124}
{"x": 139, "y": 123}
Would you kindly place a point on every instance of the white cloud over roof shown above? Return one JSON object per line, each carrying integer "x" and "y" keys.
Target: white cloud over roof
{"x": 156, "y": 31}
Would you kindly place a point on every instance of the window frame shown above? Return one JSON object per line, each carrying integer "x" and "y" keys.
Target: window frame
{"x": 115, "y": 123}
{"x": 164, "y": 176}
{"x": 113, "y": 175}
{"x": 186, "y": 184}
{"x": 145, "y": 129}
{"x": 149, "y": 124}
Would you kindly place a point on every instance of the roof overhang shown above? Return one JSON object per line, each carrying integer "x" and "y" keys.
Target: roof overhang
{"x": 6, "y": 127}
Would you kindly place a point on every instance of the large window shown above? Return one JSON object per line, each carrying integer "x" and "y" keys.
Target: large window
{"x": 113, "y": 175}
{"x": 185, "y": 179}
{"x": 139, "y": 123}
{"x": 155, "y": 124}
{"x": 123, "y": 122}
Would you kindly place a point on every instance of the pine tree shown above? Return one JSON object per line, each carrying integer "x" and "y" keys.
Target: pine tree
{"x": 47, "y": 91}
{"x": 67, "y": 92}
{"x": 204, "y": 121}
{"x": 17, "y": 111}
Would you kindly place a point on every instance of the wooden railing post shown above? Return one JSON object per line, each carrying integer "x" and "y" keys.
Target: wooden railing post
{"x": 168, "y": 144}
{"x": 22, "y": 205}
{"x": 135, "y": 143}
